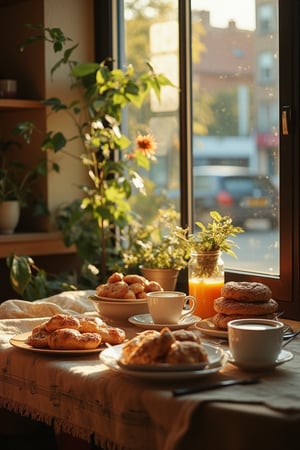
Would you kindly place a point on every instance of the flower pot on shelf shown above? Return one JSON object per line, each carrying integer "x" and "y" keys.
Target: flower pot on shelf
{"x": 167, "y": 278}
{"x": 9, "y": 216}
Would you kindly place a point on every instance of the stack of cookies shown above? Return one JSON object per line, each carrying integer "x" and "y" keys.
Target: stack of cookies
{"x": 242, "y": 300}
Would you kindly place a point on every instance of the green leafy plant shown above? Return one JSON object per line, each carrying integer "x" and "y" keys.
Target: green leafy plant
{"x": 115, "y": 167}
{"x": 162, "y": 245}
{"x": 32, "y": 283}
{"x": 16, "y": 180}
{"x": 214, "y": 236}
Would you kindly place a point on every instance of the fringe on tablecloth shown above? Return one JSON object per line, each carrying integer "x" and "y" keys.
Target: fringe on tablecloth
{"x": 60, "y": 425}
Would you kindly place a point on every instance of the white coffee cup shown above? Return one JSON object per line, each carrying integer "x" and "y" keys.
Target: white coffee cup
{"x": 255, "y": 343}
{"x": 168, "y": 307}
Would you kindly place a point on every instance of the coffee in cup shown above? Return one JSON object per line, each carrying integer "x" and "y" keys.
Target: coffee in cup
{"x": 169, "y": 307}
{"x": 255, "y": 343}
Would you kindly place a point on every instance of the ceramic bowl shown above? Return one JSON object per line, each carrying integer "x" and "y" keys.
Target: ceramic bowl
{"x": 119, "y": 309}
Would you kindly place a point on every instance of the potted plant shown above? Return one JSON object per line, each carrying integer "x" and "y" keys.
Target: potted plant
{"x": 16, "y": 183}
{"x": 115, "y": 167}
{"x": 159, "y": 250}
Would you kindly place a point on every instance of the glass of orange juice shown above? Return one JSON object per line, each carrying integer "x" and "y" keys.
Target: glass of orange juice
{"x": 205, "y": 284}
{"x": 205, "y": 291}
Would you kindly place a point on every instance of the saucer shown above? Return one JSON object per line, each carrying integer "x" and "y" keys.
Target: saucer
{"x": 206, "y": 326}
{"x": 283, "y": 357}
{"x": 145, "y": 321}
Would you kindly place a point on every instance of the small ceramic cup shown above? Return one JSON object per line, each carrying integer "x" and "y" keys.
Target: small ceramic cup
{"x": 169, "y": 307}
{"x": 8, "y": 88}
{"x": 255, "y": 343}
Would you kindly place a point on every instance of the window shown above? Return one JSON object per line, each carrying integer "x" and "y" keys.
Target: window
{"x": 265, "y": 18}
{"x": 265, "y": 68}
{"x": 267, "y": 116}
{"x": 241, "y": 114}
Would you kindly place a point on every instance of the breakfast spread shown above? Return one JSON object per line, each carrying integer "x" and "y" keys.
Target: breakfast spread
{"x": 242, "y": 300}
{"x": 164, "y": 346}
{"x": 67, "y": 332}
{"x": 130, "y": 287}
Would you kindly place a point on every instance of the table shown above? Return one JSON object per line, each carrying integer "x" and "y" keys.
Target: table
{"x": 82, "y": 397}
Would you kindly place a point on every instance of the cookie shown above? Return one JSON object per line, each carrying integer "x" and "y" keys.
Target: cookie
{"x": 220, "y": 320}
{"x": 245, "y": 291}
{"x": 229, "y": 306}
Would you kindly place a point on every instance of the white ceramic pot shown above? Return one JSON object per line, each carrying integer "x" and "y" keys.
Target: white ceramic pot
{"x": 9, "y": 216}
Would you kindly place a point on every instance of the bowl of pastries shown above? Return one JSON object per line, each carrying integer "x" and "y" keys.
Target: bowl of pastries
{"x": 123, "y": 296}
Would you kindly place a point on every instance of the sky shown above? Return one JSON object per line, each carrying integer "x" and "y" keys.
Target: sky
{"x": 222, "y": 11}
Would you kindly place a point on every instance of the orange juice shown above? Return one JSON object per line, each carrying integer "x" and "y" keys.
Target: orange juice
{"x": 205, "y": 291}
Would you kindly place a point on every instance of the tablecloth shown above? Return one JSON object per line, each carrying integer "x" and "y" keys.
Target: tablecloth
{"x": 81, "y": 396}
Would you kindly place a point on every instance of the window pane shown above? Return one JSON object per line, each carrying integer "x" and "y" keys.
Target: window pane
{"x": 151, "y": 34}
{"x": 235, "y": 124}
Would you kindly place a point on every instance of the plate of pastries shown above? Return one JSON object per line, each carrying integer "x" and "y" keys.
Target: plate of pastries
{"x": 165, "y": 354}
{"x": 239, "y": 300}
{"x": 64, "y": 333}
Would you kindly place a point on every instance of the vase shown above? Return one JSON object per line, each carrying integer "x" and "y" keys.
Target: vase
{"x": 205, "y": 280}
{"x": 9, "y": 216}
{"x": 167, "y": 278}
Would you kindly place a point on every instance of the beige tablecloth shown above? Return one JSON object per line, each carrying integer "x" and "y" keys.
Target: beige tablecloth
{"x": 79, "y": 395}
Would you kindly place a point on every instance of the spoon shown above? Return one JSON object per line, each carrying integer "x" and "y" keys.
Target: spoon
{"x": 291, "y": 338}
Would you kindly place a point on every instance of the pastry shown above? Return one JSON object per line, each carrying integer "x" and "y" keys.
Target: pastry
{"x": 70, "y": 339}
{"x": 62, "y": 321}
{"x": 230, "y": 306}
{"x": 246, "y": 291}
{"x": 221, "y": 320}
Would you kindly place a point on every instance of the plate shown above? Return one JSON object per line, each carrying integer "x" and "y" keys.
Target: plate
{"x": 145, "y": 321}
{"x": 19, "y": 341}
{"x": 283, "y": 357}
{"x": 111, "y": 356}
{"x": 207, "y": 326}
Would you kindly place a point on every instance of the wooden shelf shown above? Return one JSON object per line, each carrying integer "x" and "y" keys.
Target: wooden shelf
{"x": 33, "y": 244}
{"x": 15, "y": 103}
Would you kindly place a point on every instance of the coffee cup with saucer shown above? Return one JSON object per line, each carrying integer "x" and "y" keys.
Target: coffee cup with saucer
{"x": 170, "y": 307}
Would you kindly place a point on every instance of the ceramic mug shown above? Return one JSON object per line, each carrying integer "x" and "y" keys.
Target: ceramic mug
{"x": 168, "y": 307}
{"x": 255, "y": 343}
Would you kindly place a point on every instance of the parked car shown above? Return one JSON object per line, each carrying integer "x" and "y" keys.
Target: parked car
{"x": 249, "y": 199}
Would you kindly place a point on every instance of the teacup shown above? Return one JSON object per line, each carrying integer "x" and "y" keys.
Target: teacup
{"x": 168, "y": 307}
{"x": 255, "y": 343}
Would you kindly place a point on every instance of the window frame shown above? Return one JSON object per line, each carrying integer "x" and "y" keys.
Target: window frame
{"x": 285, "y": 288}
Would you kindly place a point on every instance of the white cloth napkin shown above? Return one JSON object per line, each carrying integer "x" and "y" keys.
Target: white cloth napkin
{"x": 69, "y": 302}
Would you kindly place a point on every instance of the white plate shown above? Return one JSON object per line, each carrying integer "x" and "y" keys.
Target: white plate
{"x": 19, "y": 341}
{"x": 145, "y": 321}
{"x": 116, "y": 300}
{"x": 111, "y": 356}
{"x": 283, "y": 357}
{"x": 206, "y": 326}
